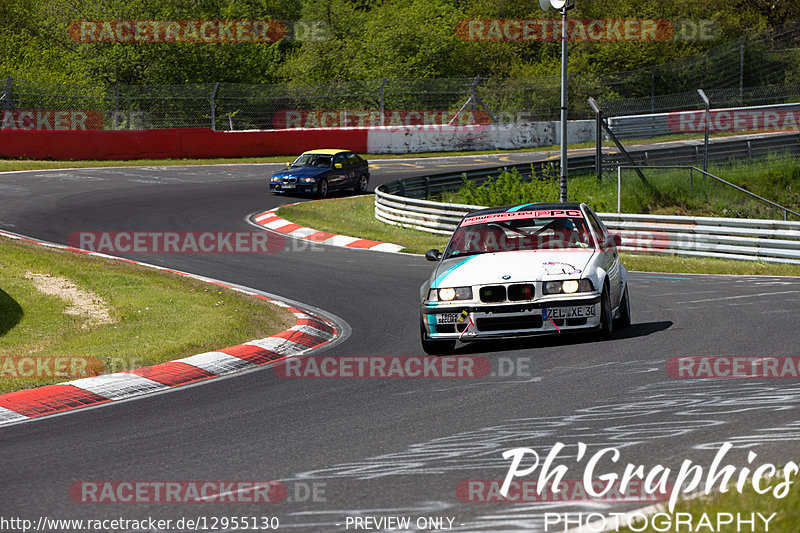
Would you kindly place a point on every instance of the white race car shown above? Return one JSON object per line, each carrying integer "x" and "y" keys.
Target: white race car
{"x": 524, "y": 270}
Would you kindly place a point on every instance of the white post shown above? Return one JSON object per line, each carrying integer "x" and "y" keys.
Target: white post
{"x": 619, "y": 189}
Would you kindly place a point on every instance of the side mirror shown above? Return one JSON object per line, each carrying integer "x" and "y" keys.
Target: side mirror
{"x": 433, "y": 254}
{"x": 338, "y": 165}
{"x": 613, "y": 240}
{"x": 288, "y": 165}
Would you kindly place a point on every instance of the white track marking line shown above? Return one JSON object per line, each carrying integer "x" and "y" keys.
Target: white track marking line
{"x": 738, "y": 297}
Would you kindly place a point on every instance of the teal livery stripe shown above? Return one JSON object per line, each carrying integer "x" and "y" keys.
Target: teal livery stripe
{"x": 440, "y": 279}
{"x": 523, "y": 206}
{"x": 432, "y": 323}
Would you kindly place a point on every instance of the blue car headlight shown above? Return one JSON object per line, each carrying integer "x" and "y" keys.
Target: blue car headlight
{"x": 307, "y": 180}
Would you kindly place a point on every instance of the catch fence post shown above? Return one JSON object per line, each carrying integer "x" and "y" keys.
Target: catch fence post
{"x": 213, "y": 107}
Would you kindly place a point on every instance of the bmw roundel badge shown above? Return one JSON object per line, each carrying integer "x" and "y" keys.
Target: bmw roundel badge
{"x": 506, "y": 276}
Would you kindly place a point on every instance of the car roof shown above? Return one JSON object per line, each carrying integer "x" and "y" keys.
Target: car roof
{"x": 326, "y": 151}
{"x": 535, "y": 206}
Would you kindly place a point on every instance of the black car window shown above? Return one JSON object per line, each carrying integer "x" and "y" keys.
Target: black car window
{"x": 353, "y": 160}
{"x": 339, "y": 158}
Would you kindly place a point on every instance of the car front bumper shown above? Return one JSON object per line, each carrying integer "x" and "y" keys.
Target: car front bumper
{"x": 301, "y": 188}
{"x": 497, "y": 321}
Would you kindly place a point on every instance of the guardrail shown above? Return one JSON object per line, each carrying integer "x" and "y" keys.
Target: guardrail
{"x": 731, "y": 238}
{"x": 405, "y": 203}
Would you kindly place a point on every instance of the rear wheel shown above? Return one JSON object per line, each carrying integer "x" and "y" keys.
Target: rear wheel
{"x": 322, "y": 188}
{"x": 362, "y": 184}
{"x": 624, "y": 319}
{"x": 432, "y": 347}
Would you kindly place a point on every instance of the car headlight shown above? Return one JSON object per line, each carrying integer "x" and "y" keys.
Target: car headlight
{"x": 450, "y": 293}
{"x": 306, "y": 180}
{"x": 570, "y": 286}
{"x": 275, "y": 178}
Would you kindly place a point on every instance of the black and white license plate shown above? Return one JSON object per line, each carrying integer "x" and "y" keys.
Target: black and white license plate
{"x": 289, "y": 185}
{"x": 578, "y": 311}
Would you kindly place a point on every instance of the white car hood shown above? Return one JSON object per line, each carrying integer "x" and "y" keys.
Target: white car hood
{"x": 482, "y": 269}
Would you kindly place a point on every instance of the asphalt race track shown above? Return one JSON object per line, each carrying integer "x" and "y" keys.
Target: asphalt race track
{"x": 389, "y": 447}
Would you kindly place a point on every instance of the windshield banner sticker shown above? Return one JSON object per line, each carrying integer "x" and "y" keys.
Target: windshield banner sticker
{"x": 521, "y": 215}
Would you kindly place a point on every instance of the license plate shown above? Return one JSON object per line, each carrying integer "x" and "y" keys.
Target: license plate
{"x": 289, "y": 185}
{"x": 447, "y": 318}
{"x": 581, "y": 311}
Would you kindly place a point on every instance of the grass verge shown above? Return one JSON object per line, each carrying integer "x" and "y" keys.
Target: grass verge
{"x": 356, "y": 217}
{"x": 156, "y": 316}
{"x": 786, "y": 520}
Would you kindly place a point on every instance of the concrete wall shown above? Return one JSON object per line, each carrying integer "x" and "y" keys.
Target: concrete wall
{"x": 414, "y": 139}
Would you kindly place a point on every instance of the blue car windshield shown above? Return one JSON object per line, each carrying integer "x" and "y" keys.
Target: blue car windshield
{"x": 313, "y": 160}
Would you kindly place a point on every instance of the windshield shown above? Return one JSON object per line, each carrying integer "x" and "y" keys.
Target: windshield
{"x": 313, "y": 160}
{"x": 522, "y": 230}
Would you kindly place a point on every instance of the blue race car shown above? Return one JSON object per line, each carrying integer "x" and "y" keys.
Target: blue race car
{"x": 320, "y": 171}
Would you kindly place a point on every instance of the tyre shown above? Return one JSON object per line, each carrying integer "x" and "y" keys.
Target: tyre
{"x": 606, "y": 315}
{"x": 624, "y": 319}
{"x": 432, "y": 347}
{"x": 322, "y": 188}
{"x": 361, "y": 185}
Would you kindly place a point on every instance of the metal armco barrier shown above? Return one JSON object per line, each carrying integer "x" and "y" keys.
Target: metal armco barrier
{"x": 731, "y": 238}
{"x": 404, "y": 203}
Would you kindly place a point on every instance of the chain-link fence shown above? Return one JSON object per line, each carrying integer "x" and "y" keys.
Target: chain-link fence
{"x": 753, "y": 70}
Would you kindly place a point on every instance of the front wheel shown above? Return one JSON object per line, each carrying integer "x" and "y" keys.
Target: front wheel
{"x": 322, "y": 188}
{"x": 624, "y": 319}
{"x": 606, "y": 316}
{"x": 361, "y": 185}
{"x": 432, "y": 347}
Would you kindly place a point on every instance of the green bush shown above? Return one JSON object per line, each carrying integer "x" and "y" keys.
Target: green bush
{"x": 509, "y": 188}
